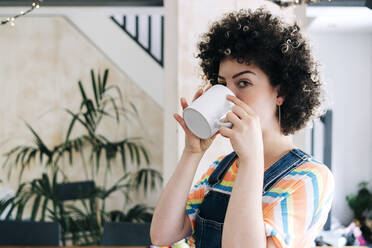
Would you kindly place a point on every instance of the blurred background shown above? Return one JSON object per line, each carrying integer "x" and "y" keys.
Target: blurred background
{"x": 89, "y": 88}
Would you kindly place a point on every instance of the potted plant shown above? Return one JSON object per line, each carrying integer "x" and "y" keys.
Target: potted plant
{"x": 93, "y": 148}
{"x": 361, "y": 204}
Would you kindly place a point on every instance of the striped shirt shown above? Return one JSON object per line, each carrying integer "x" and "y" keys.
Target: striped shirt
{"x": 294, "y": 209}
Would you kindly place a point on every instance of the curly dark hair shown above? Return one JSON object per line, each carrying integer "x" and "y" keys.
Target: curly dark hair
{"x": 278, "y": 49}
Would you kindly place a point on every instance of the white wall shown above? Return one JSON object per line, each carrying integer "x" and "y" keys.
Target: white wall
{"x": 342, "y": 39}
{"x": 95, "y": 24}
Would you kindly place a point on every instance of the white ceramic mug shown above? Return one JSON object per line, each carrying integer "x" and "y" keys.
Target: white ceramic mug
{"x": 205, "y": 115}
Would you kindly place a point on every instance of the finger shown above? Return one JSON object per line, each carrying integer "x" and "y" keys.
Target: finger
{"x": 225, "y": 132}
{"x": 183, "y": 103}
{"x": 240, "y": 103}
{"x": 240, "y": 112}
{"x": 180, "y": 120}
{"x": 197, "y": 94}
{"x": 209, "y": 86}
{"x": 182, "y": 123}
{"x": 214, "y": 136}
{"x": 231, "y": 117}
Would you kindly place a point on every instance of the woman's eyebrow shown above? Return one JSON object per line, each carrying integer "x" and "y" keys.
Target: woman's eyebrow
{"x": 238, "y": 74}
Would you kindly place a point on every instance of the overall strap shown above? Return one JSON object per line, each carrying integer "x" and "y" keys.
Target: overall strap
{"x": 283, "y": 167}
{"x": 221, "y": 169}
{"x": 277, "y": 171}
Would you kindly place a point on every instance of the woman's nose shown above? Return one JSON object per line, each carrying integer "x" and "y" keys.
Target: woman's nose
{"x": 230, "y": 87}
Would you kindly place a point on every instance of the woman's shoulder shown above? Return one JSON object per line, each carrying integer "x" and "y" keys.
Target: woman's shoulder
{"x": 311, "y": 179}
{"x": 311, "y": 174}
{"x": 315, "y": 174}
{"x": 314, "y": 167}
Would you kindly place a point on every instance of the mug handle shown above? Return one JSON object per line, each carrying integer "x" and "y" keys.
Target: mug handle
{"x": 220, "y": 122}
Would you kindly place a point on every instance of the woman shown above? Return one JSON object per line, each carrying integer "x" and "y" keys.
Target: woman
{"x": 267, "y": 193}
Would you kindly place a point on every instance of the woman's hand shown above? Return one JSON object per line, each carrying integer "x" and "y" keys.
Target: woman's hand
{"x": 193, "y": 143}
{"x": 246, "y": 134}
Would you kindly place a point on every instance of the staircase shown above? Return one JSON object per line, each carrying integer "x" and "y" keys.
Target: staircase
{"x": 147, "y": 31}
{"x": 132, "y": 40}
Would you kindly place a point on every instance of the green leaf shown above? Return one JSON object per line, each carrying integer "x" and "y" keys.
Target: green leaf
{"x": 43, "y": 209}
{"x": 41, "y": 157}
{"x": 96, "y": 96}
{"x": 91, "y": 110}
{"x": 129, "y": 145}
{"x": 103, "y": 194}
{"x": 4, "y": 203}
{"x": 88, "y": 128}
{"x": 13, "y": 206}
{"x": 116, "y": 110}
{"x": 98, "y": 156}
{"x": 23, "y": 156}
{"x": 143, "y": 176}
{"x": 144, "y": 152}
{"x": 89, "y": 121}
{"x": 35, "y": 207}
{"x": 139, "y": 213}
{"x": 145, "y": 182}
{"x": 21, "y": 173}
{"x": 123, "y": 160}
{"x": 31, "y": 155}
{"x": 46, "y": 184}
{"x": 118, "y": 91}
{"x": 104, "y": 81}
{"x": 82, "y": 91}
{"x": 21, "y": 206}
{"x": 70, "y": 155}
{"x": 19, "y": 155}
{"x": 42, "y": 147}
{"x": 138, "y": 157}
{"x": 134, "y": 109}
{"x": 72, "y": 123}
{"x": 13, "y": 150}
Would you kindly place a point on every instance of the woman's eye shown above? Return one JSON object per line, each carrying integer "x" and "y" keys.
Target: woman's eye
{"x": 243, "y": 83}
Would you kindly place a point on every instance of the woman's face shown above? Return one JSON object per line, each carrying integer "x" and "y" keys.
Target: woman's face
{"x": 251, "y": 85}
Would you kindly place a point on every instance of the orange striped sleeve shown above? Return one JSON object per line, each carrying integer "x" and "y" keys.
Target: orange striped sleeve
{"x": 296, "y": 208}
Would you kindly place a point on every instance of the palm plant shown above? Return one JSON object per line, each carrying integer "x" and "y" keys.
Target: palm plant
{"x": 41, "y": 192}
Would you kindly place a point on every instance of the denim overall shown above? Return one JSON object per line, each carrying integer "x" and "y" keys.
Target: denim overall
{"x": 211, "y": 213}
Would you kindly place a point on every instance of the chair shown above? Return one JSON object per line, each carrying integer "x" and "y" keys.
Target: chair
{"x": 29, "y": 233}
{"x": 75, "y": 190}
{"x": 126, "y": 234}
{"x": 72, "y": 192}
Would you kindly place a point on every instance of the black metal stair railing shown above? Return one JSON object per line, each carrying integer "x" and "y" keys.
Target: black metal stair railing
{"x": 154, "y": 49}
